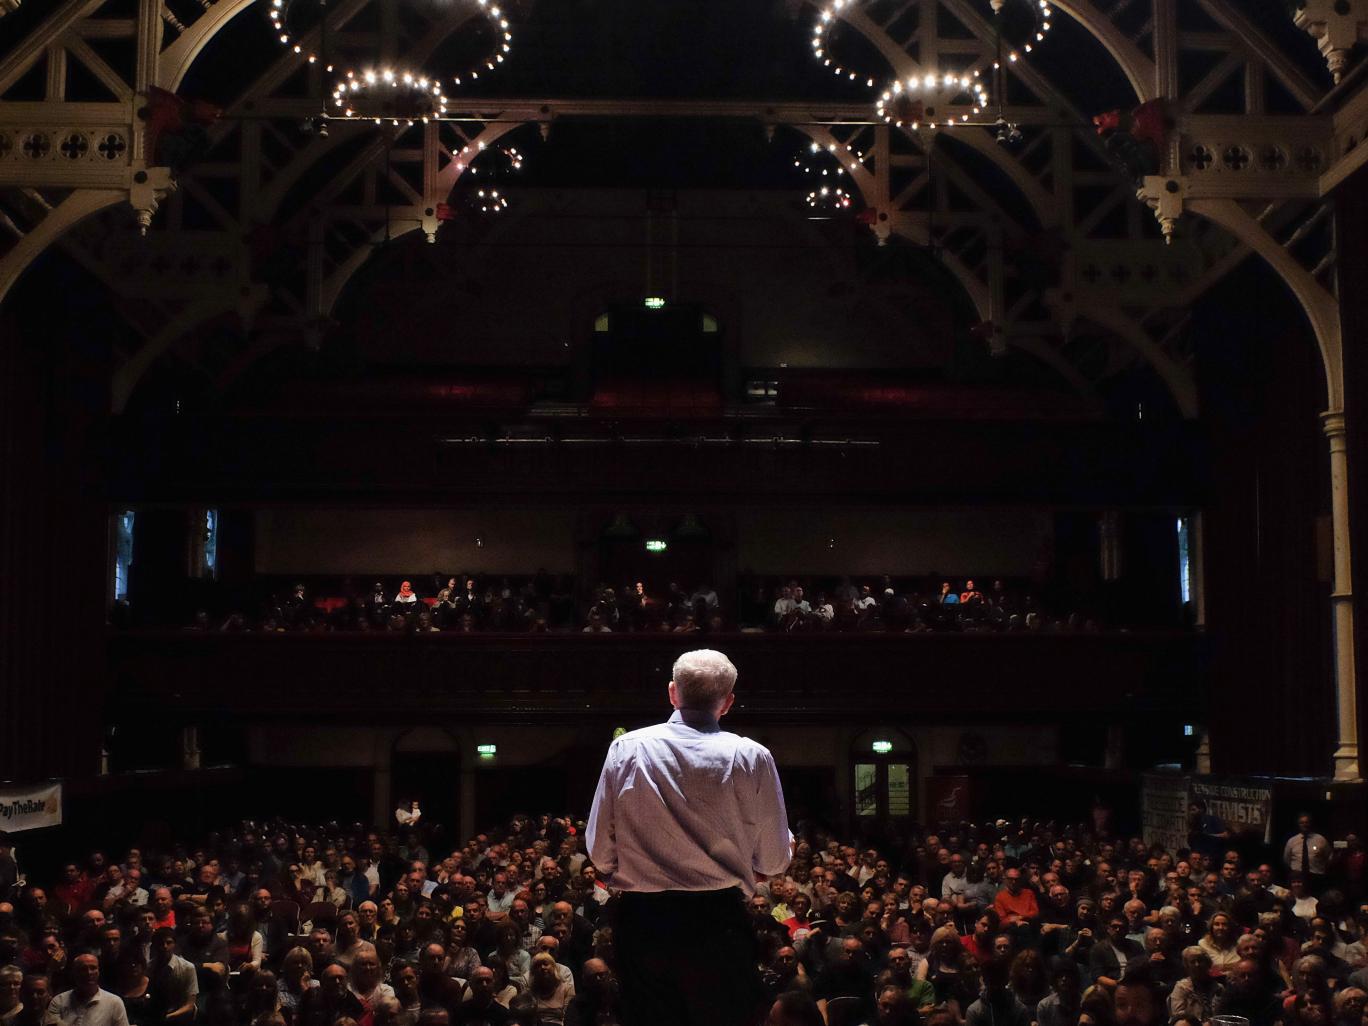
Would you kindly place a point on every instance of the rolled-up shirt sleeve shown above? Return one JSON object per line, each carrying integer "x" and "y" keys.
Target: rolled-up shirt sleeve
{"x": 599, "y": 834}
{"x": 774, "y": 842}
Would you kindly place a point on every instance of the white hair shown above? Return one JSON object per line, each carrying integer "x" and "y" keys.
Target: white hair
{"x": 703, "y": 678}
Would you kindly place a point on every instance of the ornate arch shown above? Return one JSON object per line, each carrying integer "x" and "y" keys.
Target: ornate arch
{"x": 74, "y": 209}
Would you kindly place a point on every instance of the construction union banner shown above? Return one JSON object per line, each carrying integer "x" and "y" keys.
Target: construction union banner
{"x": 1164, "y": 809}
{"x": 1245, "y": 806}
{"x": 31, "y": 809}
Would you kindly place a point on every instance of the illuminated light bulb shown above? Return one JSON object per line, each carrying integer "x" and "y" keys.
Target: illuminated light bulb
{"x": 298, "y": 48}
{"x": 312, "y": 58}
{"x": 284, "y": 39}
{"x": 1013, "y": 57}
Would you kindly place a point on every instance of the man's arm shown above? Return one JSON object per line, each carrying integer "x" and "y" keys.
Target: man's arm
{"x": 599, "y": 834}
{"x": 774, "y": 845}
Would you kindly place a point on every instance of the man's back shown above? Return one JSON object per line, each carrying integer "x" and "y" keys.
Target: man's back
{"x": 687, "y": 806}
{"x": 685, "y": 817}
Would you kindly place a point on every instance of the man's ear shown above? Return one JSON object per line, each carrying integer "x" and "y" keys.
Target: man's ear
{"x": 726, "y": 705}
{"x": 674, "y": 695}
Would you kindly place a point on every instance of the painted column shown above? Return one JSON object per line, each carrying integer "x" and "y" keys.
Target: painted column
{"x": 1342, "y": 603}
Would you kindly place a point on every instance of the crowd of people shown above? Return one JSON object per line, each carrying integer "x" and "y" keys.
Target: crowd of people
{"x": 993, "y": 924}
{"x": 547, "y": 603}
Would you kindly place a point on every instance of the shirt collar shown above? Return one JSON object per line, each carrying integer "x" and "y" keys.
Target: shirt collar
{"x": 699, "y": 720}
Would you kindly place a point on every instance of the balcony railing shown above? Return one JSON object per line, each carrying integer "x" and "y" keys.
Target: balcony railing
{"x": 782, "y": 677}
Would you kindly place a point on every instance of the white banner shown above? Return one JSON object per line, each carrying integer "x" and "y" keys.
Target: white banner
{"x": 31, "y": 809}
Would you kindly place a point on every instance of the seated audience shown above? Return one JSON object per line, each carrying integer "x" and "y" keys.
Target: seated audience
{"x": 968, "y": 925}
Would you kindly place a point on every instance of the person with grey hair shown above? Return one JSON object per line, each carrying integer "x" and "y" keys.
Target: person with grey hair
{"x": 1194, "y": 996}
{"x": 686, "y": 816}
{"x": 11, "y": 1003}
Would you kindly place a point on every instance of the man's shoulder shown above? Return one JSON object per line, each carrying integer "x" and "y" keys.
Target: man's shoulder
{"x": 62, "y": 1001}
{"x": 666, "y": 731}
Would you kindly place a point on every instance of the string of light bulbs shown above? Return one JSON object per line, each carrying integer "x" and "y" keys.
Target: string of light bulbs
{"x": 913, "y": 102}
{"x": 820, "y": 43}
{"x": 827, "y": 166}
{"x": 1034, "y": 24}
{"x": 906, "y": 105}
{"x": 388, "y": 95}
{"x": 357, "y": 84}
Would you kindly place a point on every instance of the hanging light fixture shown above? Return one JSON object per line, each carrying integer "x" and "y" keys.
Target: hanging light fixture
{"x": 482, "y": 169}
{"x": 387, "y": 95}
{"x": 928, "y": 101}
{"x": 826, "y": 167}
{"x": 390, "y": 92}
{"x": 917, "y": 101}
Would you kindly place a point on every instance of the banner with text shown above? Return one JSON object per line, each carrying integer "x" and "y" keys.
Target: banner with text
{"x": 1245, "y": 806}
{"x": 1164, "y": 809}
{"x": 31, "y": 809}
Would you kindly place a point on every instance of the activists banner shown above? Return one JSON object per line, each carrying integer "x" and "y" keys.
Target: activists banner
{"x": 1164, "y": 809}
{"x": 1244, "y": 806}
{"x": 31, "y": 809}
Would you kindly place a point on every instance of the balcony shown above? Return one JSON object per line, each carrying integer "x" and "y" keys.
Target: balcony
{"x": 783, "y": 678}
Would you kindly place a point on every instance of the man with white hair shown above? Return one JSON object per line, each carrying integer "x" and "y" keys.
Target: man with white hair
{"x": 685, "y": 818}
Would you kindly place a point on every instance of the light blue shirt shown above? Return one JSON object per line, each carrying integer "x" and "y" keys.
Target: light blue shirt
{"x": 687, "y": 806}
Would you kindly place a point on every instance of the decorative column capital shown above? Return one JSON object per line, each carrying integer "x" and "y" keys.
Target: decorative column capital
{"x": 1332, "y": 423}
